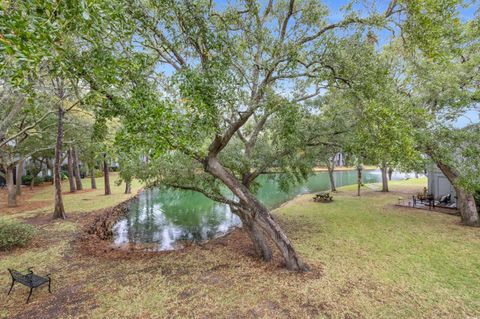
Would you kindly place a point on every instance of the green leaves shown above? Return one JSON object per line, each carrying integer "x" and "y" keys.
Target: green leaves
{"x": 433, "y": 26}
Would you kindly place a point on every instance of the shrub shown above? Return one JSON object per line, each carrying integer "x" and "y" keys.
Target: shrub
{"x": 13, "y": 233}
{"x": 27, "y": 179}
{"x": 48, "y": 178}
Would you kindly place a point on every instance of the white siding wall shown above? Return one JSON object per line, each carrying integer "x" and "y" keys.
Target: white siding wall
{"x": 439, "y": 185}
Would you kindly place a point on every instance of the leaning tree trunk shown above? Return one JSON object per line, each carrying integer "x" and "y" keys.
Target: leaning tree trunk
{"x": 12, "y": 192}
{"x": 259, "y": 213}
{"x": 331, "y": 168}
{"x": 128, "y": 187}
{"x": 93, "y": 181}
{"x": 384, "y": 169}
{"x": 18, "y": 179}
{"x": 59, "y": 210}
{"x": 76, "y": 169}
{"x": 468, "y": 208}
{"x": 359, "y": 180}
{"x": 106, "y": 176}
{"x": 465, "y": 200}
{"x": 71, "y": 175}
{"x": 260, "y": 242}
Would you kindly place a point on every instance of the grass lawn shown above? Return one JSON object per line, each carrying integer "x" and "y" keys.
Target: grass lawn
{"x": 369, "y": 259}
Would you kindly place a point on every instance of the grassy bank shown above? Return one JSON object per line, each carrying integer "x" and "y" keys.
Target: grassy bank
{"x": 368, "y": 259}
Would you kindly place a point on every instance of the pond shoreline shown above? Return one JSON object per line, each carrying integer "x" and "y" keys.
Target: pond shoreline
{"x": 102, "y": 226}
{"x": 168, "y": 219}
{"x": 321, "y": 169}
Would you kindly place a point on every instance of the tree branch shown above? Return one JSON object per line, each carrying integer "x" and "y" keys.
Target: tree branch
{"x": 26, "y": 129}
{"x": 216, "y": 197}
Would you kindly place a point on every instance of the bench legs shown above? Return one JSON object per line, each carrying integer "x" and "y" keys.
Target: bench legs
{"x": 29, "y": 295}
{"x": 11, "y": 287}
{"x": 49, "y": 285}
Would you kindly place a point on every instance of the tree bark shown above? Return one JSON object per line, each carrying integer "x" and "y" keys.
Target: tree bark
{"x": 93, "y": 181}
{"x": 18, "y": 179}
{"x": 76, "y": 169}
{"x": 12, "y": 192}
{"x": 468, "y": 208}
{"x": 59, "y": 210}
{"x": 384, "y": 169}
{"x": 465, "y": 200}
{"x": 331, "y": 168}
{"x": 259, "y": 213}
{"x": 71, "y": 175}
{"x": 359, "y": 180}
{"x": 390, "y": 173}
{"x": 50, "y": 167}
{"x": 128, "y": 187}
{"x": 106, "y": 175}
{"x": 260, "y": 242}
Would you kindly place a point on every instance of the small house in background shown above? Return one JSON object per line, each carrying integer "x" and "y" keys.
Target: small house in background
{"x": 339, "y": 160}
{"x": 439, "y": 185}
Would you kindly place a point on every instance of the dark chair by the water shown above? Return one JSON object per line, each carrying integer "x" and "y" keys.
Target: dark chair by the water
{"x": 30, "y": 280}
{"x": 445, "y": 199}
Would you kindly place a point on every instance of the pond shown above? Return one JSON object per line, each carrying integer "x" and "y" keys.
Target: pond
{"x": 164, "y": 219}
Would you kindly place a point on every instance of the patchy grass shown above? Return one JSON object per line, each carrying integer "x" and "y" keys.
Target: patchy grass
{"x": 88, "y": 199}
{"x": 40, "y": 200}
{"x": 369, "y": 259}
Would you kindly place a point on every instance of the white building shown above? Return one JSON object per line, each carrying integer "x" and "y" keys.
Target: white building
{"x": 439, "y": 185}
{"x": 339, "y": 159}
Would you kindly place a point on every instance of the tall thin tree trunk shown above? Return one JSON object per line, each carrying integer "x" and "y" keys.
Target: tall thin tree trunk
{"x": 331, "y": 168}
{"x": 93, "y": 181}
{"x": 390, "y": 173}
{"x": 71, "y": 175}
{"x": 359, "y": 179}
{"x": 259, "y": 213}
{"x": 12, "y": 192}
{"x": 76, "y": 169}
{"x": 128, "y": 187}
{"x": 59, "y": 210}
{"x": 18, "y": 179}
{"x": 384, "y": 168}
{"x": 106, "y": 175}
{"x": 50, "y": 167}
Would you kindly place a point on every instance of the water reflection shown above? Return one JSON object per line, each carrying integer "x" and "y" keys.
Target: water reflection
{"x": 167, "y": 217}
{"x": 164, "y": 218}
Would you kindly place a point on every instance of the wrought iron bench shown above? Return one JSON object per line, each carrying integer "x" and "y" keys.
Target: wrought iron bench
{"x": 30, "y": 280}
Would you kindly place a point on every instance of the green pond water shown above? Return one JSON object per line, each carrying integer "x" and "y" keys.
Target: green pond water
{"x": 163, "y": 219}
